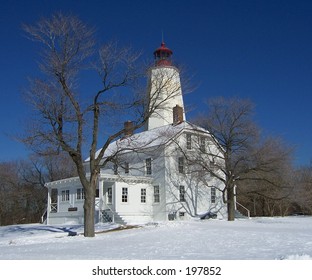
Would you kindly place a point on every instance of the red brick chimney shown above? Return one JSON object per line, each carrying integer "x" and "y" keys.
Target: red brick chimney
{"x": 128, "y": 128}
{"x": 177, "y": 114}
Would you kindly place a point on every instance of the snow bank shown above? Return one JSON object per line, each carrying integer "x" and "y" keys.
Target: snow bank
{"x": 254, "y": 239}
{"x": 297, "y": 257}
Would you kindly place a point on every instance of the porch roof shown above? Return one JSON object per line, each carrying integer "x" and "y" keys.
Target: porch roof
{"x": 127, "y": 179}
{"x": 103, "y": 176}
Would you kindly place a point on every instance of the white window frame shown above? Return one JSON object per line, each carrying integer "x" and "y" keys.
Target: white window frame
{"x": 80, "y": 194}
{"x": 65, "y": 195}
{"x": 188, "y": 141}
{"x": 182, "y": 193}
{"x": 124, "y": 195}
{"x": 181, "y": 214}
{"x": 156, "y": 194}
{"x": 143, "y": 195}
{"x": 202, "y": 144}
{"x": 213, "y": 194}
{"x": 181, "y": 165}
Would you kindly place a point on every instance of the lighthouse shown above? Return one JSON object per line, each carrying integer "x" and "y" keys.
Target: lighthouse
{"x": 165, "y": 99}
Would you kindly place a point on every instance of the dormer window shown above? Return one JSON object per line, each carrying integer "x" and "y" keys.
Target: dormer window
{"x": 148, "y": 166}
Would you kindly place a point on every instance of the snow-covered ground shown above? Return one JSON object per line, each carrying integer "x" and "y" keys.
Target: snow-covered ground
{"x": 253, "y": 239}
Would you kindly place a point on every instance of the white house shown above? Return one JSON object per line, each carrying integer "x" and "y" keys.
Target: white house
{"x": 157, "y": 174}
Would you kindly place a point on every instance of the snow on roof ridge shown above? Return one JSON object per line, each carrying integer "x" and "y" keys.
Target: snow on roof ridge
{"x": 149, "y": 138}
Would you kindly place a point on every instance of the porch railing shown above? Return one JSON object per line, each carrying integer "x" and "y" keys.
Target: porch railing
{"x": 112, "y": 212}
{"x": 53, "y": 207}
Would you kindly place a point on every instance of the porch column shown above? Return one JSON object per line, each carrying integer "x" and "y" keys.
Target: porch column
{"x": 100, "y": 186}
{"x": 49, "y": 204}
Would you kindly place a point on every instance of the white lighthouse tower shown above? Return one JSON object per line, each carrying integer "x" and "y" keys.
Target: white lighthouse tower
{"x": 165, "y": 92}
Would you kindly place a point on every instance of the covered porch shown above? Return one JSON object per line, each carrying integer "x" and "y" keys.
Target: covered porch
{"x": 112, "y": 202}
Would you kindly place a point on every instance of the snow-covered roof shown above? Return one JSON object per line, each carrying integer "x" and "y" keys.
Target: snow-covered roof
{"x": 62, "y": 182}
{"x": 150, "y": 138}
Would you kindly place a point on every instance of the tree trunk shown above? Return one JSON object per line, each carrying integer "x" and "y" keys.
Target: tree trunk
{"x": 89, "y": 205}
{"x": 231, "y": 204}
{"x": 89, "y": 211}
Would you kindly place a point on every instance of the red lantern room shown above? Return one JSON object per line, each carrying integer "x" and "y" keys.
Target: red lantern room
{"x": 163, "y": 56}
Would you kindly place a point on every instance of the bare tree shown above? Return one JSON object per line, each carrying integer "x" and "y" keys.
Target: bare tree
{"x": 17, "y": 200}
{"x": 303, "y": 190}
{"x": 23, "y": 196}
{"x": 268, "y": 189}
{"x": 242, "y": 155}
{"x": 9, "y": 186}
{"x": 40, "y": 169}
{"x": 83, "y": 119}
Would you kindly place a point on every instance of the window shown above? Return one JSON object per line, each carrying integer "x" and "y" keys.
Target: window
{"x": 182, "y": 193}
{"x": 65, "y": 195}
{"x": 127, "y": 168}
{"x": 80, "y": 194}
{"x": 156, "y": 194}
{"x": 148, "y": 166}
{"x": 189, "y": 141}
{"x": 202, "y": 144}
{"x": 143, "y": 195}
{"x": 213, "y": 195}
{"x": 181, "y": 164}
{"x": 54, "y": 198}
{"x": 109, "y": 195}
{"x": 181, "y": 214}
{"x": 54, "y": 193}
{"x": 124, "y": 195}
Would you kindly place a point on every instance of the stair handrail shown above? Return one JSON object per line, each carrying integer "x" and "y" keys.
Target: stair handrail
{"x": 43, "y": 219}
{"x": 248, "y": 211}
{"x": 112, "y": 212}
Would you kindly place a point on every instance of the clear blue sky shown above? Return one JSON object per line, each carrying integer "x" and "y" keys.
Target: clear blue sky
{"x": 261, "y": 50}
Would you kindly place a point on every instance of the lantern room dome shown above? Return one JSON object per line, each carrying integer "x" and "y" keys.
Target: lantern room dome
{"x": 162, "y": 56}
